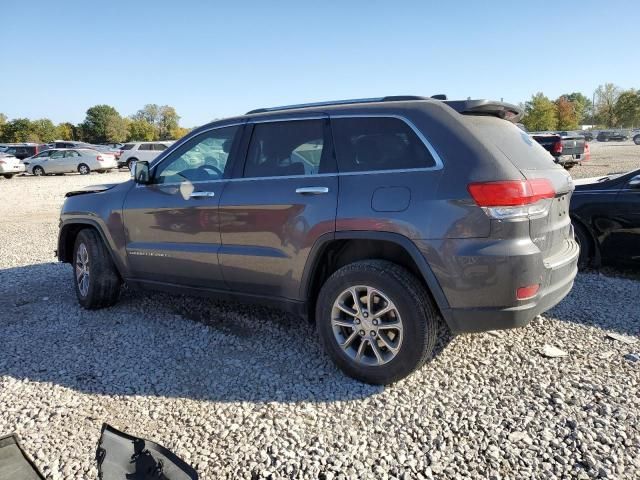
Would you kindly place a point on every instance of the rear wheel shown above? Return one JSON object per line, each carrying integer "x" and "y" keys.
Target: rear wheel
{"x": 636, "y": 139}
{"x": 96, "y": 279}
{"x": 586, "y": 248}
{"x": 130, "y": 163}
{"x": 376, "y": 321}
{"x": 8, "y": 177}
{"x": 83, "y": 169}
{"x": 38, "y": 171}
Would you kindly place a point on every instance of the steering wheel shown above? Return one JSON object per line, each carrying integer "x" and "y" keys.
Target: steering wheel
{"x": 206, "y": 168}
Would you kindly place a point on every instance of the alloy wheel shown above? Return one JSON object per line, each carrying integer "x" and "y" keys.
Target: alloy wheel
{"x": 367, "y": 325}
{"x": 82, "y": 269}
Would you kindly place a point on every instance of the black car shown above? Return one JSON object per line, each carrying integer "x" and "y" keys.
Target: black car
{"x": 25, "y": 151}
{"x": 611, "y": 136}
{"x": 588, "y": 136}
{"x": 606, "y": 218}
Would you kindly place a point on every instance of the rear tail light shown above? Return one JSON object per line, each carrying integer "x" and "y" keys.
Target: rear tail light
{"x": 525, "y": 293}
{"x": 557, "y": 147}
{"x": 514, "y": 199}
{"x": 99, "y": 158}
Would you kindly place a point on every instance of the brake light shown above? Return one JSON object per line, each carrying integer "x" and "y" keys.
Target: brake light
{"x": 525, "y": 293}
{"x": 557, "y": 147}
{"x": 99, "y": 158}
{"x": 513, "y": 199}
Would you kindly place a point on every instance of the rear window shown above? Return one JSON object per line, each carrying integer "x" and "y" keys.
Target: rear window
{"x": 145, "y": 146}
{"x": 518, "y": 146}
{"x": 128, "y": 146}
{"x": 374, "y": 144}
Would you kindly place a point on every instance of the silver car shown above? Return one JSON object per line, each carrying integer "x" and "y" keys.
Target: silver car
{"x": 69, "y": 160}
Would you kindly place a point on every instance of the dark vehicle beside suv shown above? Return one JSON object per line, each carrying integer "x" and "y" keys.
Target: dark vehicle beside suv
{"x": 22, "y": 151}
{"x": 566, "y": 150}
{"x": 606, "y": 216}
{"x": 377, "y": 219}
{"x": 612, "y": 136}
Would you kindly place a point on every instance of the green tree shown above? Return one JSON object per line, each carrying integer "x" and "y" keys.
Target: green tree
{"x": 150, "y": 113}
{"x": 66, "y": 131}
{"x": 3, "y": 121}
{"x": 18, "y": 130}
{"x": 606, "y": 97}
{"x": 43, "y": 130}
{"x": 168, "y": 122}
{"x": 140, "y": 130}
{"x": 540, "y": 114}
{"x": 103, "y": 124}
{"x": 567, "y": 115}
{"x": 627, "y": 108}
{"x": 178, "y": 132}
{"x": 582, "y": 105}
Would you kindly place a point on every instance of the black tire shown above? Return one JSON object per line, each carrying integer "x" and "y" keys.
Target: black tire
{"x": 38, "y": 171}
{"x": 419, "y": 316}
{"x": 8, "y": 177}
{"x": 636, "y": 139}
{"x": 104, "y": 283}
{"x": 83, "y": 169}
{"x": 586, "y": 245}
{"x": 130, "y": 162}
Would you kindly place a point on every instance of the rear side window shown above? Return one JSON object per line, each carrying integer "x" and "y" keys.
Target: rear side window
{"x": 146, "y": 146}
{"x": 373, "y": 144}
{"x": 519, "y": 147}
{"x": 128, "y": 146}
{"x": 280, "y": 149}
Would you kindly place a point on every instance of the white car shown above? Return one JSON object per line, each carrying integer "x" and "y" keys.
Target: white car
{"x": 10, "y": 165}
{"x": 134, "y": 151}
{"x": 68, "y": 160}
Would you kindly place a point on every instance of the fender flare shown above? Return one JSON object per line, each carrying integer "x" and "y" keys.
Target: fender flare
{"x": 61, "y": 253}
{"x": 404, "y": 242}
{"x": 597, "y": 257}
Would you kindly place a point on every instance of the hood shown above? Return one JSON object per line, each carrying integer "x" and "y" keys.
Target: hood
{"x": 91, "y": 189}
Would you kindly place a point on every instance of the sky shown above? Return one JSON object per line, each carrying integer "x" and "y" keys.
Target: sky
{"x": 214, "y": 59}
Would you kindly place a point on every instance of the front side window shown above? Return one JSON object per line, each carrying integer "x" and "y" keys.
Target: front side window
{"x": 378, "y": 143}
{"x": 56, "y": 155}
{"x": 286, "y": 148}
{"x": 203, "y": 158}
{"x": 71, "y": 153}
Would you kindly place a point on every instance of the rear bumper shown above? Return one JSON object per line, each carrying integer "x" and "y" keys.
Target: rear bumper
{"x": 482, "y": 297}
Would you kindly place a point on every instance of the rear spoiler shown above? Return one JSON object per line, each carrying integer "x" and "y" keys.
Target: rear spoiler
{"x": 507, "y": 111}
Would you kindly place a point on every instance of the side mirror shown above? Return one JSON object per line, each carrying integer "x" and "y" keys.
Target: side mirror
{"x": 141, "y": 172}
{"x": 635, "y": 182}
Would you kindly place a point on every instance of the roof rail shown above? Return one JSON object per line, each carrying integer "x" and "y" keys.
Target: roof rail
{"x": 393, "y": 98}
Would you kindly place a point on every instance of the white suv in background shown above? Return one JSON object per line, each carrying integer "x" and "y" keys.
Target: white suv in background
{"x": 134, "y": 151}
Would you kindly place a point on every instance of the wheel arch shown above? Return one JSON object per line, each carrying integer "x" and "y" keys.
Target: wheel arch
{"x": 331, "y": 251}
{"x": 596, "y": 257}
{"x": 67, "y": 237}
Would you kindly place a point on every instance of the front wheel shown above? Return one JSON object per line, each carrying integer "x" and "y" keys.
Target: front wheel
{"x": 636, "y": 139}
{"x": 376, "y": 321}
{"x": 38, "y": 171}
{"x": 584, "y": 241}
{"x": 84, "y": 169}
{"x": 130, "y": 163}
{"x": 8, "y": 177}
{"x": 96, "y": 279}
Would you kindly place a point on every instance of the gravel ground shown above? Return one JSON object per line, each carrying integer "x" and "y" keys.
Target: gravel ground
{"x": 609, "y": 157}
{"x": 246, "y": 392}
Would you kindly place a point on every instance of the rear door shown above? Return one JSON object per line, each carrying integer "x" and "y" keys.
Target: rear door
{"x": 55, "y": 162}
{"x": 284, "y": 200}
{"x": 146, "y": 152}
{"x": 172, "y": 225}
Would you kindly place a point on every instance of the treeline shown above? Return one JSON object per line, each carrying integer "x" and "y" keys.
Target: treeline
{"x": 102, "y": 124}
{"x": 612, "y": 107}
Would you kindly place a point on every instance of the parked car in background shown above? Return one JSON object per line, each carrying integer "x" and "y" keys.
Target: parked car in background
{"x": 116, "y": 152}
{"x": 378, "y": 218}
{"x": 24, "y": 150}
{"x": 608, "y": 136}
{"x": 588, "y": 136}
{"x": 147, "y": 151}
{"x": 605, "y": 212}
{"x": 68, "y": 144}
{"x": 10, "y": 165}
{"x": 566, "y": 151}
{"x": 63, "y": 160}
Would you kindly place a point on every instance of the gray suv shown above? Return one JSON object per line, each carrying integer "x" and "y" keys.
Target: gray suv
{"x": 381, "y": 220}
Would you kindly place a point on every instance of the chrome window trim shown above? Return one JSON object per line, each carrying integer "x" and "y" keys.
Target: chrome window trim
{"x": 287, "y": 119}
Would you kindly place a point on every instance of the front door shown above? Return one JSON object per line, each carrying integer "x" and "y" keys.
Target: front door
{"x": 272, "y": 216}
{"x": 172, "y": 225}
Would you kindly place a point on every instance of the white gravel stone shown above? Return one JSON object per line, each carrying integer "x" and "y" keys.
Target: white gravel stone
{"x": 246, "y": 392}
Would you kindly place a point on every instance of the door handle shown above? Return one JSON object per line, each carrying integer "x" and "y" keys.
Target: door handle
{"x": 202, "y": 194}
{"x": 312, "y": 190}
